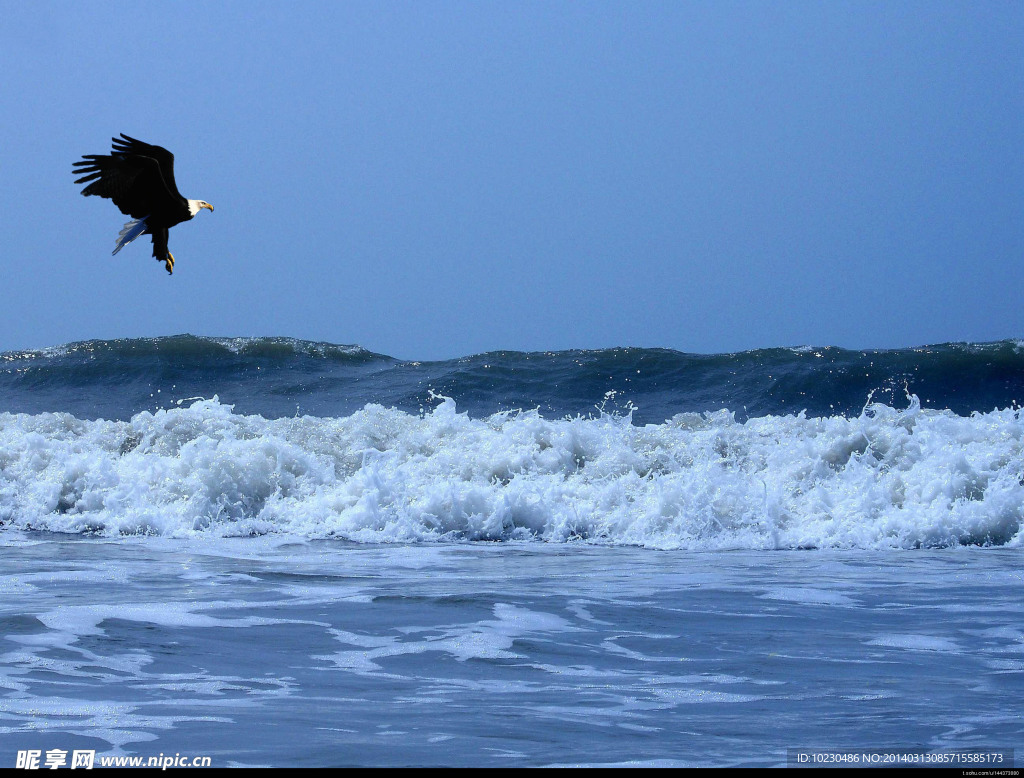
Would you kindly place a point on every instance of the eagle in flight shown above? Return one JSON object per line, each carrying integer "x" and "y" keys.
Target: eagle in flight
{"x": 139, "y": 178}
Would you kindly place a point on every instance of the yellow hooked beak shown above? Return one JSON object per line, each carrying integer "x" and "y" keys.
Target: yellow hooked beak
{"x": 206, "y": 205}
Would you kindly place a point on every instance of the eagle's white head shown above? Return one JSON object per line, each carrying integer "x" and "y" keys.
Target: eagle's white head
{"x": 195, "y": 206}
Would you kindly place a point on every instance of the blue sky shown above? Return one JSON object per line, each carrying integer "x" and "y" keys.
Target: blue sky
{"x": 435, "y": 179}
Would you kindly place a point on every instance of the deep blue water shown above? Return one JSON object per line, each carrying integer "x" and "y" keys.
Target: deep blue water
{"x": 276, "y": 377}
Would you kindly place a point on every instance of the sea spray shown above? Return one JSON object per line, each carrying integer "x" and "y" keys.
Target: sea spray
{"x": 886, "y": 478}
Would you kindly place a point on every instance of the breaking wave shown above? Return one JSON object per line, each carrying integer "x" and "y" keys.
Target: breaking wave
{"x": 885, "y": 478}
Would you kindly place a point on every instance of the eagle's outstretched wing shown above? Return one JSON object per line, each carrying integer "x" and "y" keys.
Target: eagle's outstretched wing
{"x": 132, "y": 176}
{"x": 165, "y": 158}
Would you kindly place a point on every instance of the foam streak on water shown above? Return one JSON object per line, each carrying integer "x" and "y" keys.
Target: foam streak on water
{"x": 887, "y": 478}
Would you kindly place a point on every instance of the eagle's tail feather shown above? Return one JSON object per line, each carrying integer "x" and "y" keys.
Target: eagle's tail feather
{"x": 130, "y": 232}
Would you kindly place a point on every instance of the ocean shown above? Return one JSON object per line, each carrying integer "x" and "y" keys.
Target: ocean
{"x": 266, "y": 551}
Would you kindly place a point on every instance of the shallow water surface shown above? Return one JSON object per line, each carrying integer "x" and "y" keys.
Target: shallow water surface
{"x": 277, "y": 651}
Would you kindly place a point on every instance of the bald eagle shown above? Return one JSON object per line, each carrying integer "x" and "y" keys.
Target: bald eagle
{"x": 139, "y": 178}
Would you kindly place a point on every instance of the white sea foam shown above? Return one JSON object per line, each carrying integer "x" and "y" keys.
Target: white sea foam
{"x": 885, "y": 479}
{"x": 916, "y": 643}
{"x": 809, "y": 596}
{"x": 488, "y": 639}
